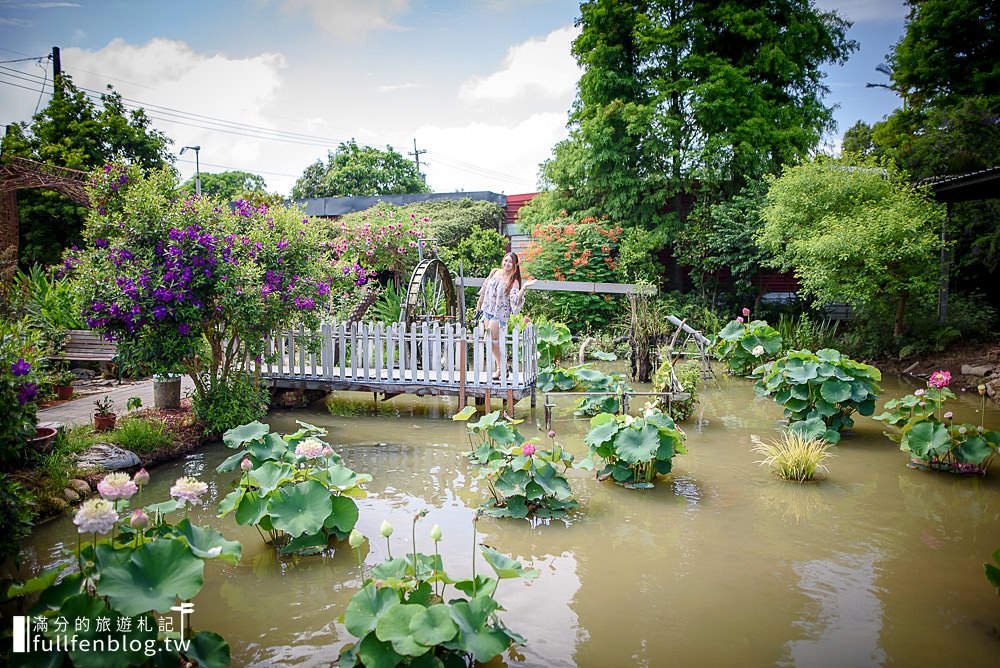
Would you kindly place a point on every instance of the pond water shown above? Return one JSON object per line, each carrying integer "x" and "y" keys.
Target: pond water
{"x": 721, "y": 564}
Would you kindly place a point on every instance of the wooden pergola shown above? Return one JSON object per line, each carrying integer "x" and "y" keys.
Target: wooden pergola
{"x": 18, "y": 173}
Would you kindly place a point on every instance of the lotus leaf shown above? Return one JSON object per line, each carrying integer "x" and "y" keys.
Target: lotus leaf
{"x": 835, "y": 391}
{"x": 82, "y": 606}
{"x": 343, "y": 517}
{"x": 209, "y": 649}
{"x": 208, "y": 543}
{"x": 252, "y": 508}
{"x": 272, "y": 475}
{"x": 155, "y": 576}
{"x": 505, "y": 567}
{"x": 484, "y": 643}
{"x": 465, "y": 413}
{"x": 433, "y": 625}
{"x": 394, "y": 626}
{"x": 300, "y": 508}
{"x": 926, "y": 439}
{"x": 974, "y": 450}
{"x": 367, "y": 606}
{"x": 254, "y": 431}
{"x": 377, "y": 653}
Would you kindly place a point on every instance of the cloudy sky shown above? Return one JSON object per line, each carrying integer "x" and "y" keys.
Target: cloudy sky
{"x": 268, "y": 86}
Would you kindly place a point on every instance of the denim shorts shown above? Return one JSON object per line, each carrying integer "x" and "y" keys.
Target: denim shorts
{"x": 489, "y": 316}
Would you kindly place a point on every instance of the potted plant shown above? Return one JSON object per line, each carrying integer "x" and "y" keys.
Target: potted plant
{"x": 104, "y": 414}
{"x": 62, "y": 384}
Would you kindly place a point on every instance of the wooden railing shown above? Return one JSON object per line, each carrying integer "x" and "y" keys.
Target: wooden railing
{"x": 425, "y": 359}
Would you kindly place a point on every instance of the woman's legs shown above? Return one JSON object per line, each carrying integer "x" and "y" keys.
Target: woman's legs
{"x": 494, "y": 327}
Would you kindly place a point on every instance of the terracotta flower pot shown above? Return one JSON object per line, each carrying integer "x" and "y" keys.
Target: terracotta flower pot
{"x": 44, "y": 436}
{"x": 64, "y": 392}
{"x": 105, "y": 422}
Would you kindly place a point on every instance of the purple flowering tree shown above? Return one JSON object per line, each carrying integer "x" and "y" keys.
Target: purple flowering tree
{"x": 189, "y": 284}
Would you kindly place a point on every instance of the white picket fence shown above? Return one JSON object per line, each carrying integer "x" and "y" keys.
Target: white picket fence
{"x": 427, "y": 358}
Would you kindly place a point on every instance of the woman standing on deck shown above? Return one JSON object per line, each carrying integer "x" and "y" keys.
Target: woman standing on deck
{"x": 502, "y": 296}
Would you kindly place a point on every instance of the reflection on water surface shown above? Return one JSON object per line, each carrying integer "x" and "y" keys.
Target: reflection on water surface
{"x": 720, "y": 564}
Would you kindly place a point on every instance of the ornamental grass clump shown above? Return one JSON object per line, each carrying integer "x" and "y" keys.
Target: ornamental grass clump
{"x": 293, "y": 487}
{"x": 794, "y": 456}
{"x": 129, "y": 567}
{"x": 401, "y": 615}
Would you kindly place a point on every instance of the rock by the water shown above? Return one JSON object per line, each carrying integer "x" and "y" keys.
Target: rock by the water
{"x": 79, "y": 486}
{"x": 70, "y": 495}
{"x": 107, "y": 456}
{"x": 970, "y": 370}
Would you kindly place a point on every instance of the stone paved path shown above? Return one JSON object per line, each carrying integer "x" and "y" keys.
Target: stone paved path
{"x": 80, "y": 411}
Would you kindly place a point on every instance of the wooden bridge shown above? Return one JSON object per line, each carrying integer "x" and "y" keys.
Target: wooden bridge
{"x": 424, "y": 359}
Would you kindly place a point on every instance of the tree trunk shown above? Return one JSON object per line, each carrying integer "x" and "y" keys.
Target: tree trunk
{"x": 900, "y": 309}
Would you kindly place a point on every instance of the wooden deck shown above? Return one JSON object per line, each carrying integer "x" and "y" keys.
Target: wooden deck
{"x": 427, "y": 359}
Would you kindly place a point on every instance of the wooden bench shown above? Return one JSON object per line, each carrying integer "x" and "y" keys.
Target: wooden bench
{"x": 84, "y": 345}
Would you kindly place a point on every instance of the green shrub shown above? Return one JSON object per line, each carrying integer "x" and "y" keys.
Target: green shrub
{"x": 688, "y": 377}
{"x": 794, "y": 456}
{"x": 17, "y": 515}
{"x": 804, "y": 332}
{"x": 226, "y": 406}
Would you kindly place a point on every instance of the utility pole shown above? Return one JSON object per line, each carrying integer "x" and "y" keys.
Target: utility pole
{"x": 416, "y": 158}
{"x": 56, "y": 70}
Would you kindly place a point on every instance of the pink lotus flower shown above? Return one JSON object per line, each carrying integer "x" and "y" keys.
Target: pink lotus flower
{"x": 188, "y": 490}
{"x": 940, "y": 379}
{"x": 739, "y": 319}
{"x": 311, "y": 448}
{"x": 918, "y": 393}
{"x": 327, "y": 451}
{"x": 95, "y": 515}
{"x": 141, "y": 477}
{"x": 117, "y": 486}
{"x": 552, "y": 434}
{"x": 527, "y": 449}
{"x": 746, "y": 312}
{"x": 246, "y": 465}
{"x": 139, "y": 520}
{"x": 948, "y": 415}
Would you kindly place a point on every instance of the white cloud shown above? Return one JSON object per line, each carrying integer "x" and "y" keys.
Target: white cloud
{"x": 865, "y": 10}
{"x": 391, "y": 88}
{"x": 352, "y": 19}
{"x": 483, "y": 156}
{"x": 538, "y": 67}
{"x": 17, "y": 23}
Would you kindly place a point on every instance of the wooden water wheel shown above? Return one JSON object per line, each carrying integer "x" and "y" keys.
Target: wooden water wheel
{"x": 430, "y": 295}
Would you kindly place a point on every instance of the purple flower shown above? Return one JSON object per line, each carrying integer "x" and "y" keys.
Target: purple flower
{"x": 101, "y": 243}
{"x": 282, "y": 244}
{"x": 27, "y": 393}
{"x": 20, "y": 367}
{"x": 183, "y": 329}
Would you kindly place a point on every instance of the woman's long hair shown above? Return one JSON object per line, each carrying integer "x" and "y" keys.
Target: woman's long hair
{"x": 515, "y": 274}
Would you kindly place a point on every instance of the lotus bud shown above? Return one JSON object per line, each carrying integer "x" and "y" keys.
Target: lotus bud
{"x": 356, "y": 539}
{"x": 552, "y": 434}
{"x": 246, "y": 464}
{"x": 436, "y": 533}
{"x": 948, "y": 415}
{"x": 139, "y": 520}
{"x": 141, "y": 477}
{"x": 327, "y": 452}
{"x": 982, "y": 390}
{"x": 739, "y": 319}
{"x": 746, "y": 312}
{"x": 527, "y": 449}
{"x": 386, "y": 529}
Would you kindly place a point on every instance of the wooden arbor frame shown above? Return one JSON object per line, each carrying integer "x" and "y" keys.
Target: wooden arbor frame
{"x": 18, "y": 173}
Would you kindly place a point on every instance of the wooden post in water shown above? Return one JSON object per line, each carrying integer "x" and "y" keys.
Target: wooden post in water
{"x": 461, "y": 373}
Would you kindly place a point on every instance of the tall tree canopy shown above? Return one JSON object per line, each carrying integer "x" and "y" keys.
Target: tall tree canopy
{"x": 360, "y": 170}
{"x": 682, "y": 92}
{"x": 72, "y": 131}
{"x": 228, "y": 186}
{"x": 854, "y": 231}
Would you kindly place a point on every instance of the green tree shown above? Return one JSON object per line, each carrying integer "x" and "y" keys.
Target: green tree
{"x": 359, "y": 170}
{"x": 228, "y": 186}
{"x": 854, "y": 231}
{"x": 858, "y": 139}
{"x": 72, "y": 131}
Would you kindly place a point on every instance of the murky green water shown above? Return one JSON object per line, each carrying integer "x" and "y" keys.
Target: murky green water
{"x": 721, "y": 565}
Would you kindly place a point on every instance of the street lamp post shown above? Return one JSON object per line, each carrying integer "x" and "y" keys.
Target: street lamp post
{"x": 197, "y": 168}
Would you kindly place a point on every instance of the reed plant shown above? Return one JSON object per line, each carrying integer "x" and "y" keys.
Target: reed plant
{"x": 794, "y": 456}
{"x": 141, "y": 436}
